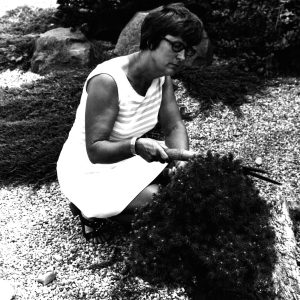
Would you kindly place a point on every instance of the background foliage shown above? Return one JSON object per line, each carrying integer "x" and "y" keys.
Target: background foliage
{"x": 19, "y": 28}
{"x": 25, "y": 20}
{"x": 264, "y": 35}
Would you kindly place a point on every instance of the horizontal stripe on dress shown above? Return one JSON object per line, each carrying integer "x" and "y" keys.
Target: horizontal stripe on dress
{"x": 137, "y": 114}
{"x": 121, "y": 127}
{"x": 135, "y": 132}
{"x": 131, "y": 103}
{"x": 145, "y": 111}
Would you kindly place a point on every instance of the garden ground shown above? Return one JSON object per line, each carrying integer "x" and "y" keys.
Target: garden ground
{"x": 229, "y": 111}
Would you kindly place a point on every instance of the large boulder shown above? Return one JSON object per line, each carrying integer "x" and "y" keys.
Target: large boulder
{"x": 129, "y": 38}
{"x": 60, "y": 48}
{"x": 129, "y": 42}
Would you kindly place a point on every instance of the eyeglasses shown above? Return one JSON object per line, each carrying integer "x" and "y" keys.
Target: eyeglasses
{"x": 179, "y": 46}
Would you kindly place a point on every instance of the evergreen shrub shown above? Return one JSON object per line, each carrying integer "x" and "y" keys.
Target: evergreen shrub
{"x": 264, "y": 35}
{"x": 208, "y": 229}
{"x": 102, "y": 19}
{"x": 26, "y": 20}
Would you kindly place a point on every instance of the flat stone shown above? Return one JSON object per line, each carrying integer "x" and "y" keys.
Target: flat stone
{"x": 46, "y": 278}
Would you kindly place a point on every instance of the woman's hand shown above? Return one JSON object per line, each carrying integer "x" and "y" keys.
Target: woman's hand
{"x": 151, "y": 150}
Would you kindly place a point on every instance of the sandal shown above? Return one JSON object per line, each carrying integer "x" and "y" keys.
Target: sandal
{"x": 99, "y": 227}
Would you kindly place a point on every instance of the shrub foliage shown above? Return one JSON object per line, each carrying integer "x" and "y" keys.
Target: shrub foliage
{"x": 263, "y": 34}
{"x": 26, "y": 20}
{"x": 208, "y": 229}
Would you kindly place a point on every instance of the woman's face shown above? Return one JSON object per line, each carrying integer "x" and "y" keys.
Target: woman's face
{"x": 170, "y": 54}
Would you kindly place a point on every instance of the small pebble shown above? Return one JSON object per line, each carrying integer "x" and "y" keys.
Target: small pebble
{"x": 258, "y": 161}
{"x": 57, "y": 257}
{"x": 46, "y": 278}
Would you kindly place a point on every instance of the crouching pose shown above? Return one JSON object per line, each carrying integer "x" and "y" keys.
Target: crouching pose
{"x": 107, "y": 167}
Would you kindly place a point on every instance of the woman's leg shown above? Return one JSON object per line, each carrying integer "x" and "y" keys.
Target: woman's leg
{"x": 141, "y": 200}
{"x": 126, "y": 216}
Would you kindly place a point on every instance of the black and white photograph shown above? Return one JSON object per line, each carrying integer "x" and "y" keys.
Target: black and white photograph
{"x": 149, "y": 150}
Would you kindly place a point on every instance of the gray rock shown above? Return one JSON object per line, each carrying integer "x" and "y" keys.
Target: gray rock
{"x": 129, "y": 42}
{"x": 60, "y": 48}
{"x": 129, "y": 39}
{"x": 57, "y": 257}
{"x": 46, "y": 278}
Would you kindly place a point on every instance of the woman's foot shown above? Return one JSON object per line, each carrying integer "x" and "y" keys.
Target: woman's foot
{"x": 95, "y": 230}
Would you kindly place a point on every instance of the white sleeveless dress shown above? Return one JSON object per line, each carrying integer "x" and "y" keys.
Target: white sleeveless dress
{"x": 104, "y": 190}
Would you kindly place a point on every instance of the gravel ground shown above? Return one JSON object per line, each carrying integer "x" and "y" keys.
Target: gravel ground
{"x": 17, "y": 78}
{"x": 39, "y": 234}
{"x": 46, "y": 237}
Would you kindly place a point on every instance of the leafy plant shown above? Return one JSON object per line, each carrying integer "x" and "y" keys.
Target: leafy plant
{"x": 20, "y": 28}
{"x": 102, "y": 19}
{"x": 25, "y": 20}
{"x": 207, "y": 229}
{"x": 263, "y": 35}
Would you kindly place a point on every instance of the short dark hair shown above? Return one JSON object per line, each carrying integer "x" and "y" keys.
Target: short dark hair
{"x": 173, "y": 19}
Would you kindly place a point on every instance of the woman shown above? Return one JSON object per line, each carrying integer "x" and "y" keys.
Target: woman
{"x": 106, "y": 167}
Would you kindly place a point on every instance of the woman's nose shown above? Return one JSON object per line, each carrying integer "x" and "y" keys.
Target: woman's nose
{"x": 181, "y": 55}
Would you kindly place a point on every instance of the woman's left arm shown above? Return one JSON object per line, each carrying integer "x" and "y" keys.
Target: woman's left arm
{"x": 170, "y": 119}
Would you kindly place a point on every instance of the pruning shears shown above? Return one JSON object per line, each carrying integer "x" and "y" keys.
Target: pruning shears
{"x": 185, "y": 155}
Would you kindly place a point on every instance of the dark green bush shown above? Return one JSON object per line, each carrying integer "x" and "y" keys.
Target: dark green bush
{"x": 264, "y": 35}
{"x": 102, "y": 19}
{"x": 20, "y": 27}
{"x": 26, "y": 20}
{"x": 207, "y": 229}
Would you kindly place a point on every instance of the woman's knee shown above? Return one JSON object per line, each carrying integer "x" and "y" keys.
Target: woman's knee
{"x": 144, "y": 197}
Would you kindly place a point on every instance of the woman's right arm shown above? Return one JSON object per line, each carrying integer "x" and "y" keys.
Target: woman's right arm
{"x": 101, "y": 111}
{"x": 100, "y": 115}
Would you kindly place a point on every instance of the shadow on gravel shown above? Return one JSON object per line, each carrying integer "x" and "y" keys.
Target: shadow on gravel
{"x": 35, "y": 119}
{"x": 34, "y": 123}
{"x": 223, "y": 83}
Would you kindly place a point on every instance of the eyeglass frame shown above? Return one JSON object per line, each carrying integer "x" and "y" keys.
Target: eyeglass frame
{"x": 185, "y": 48}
